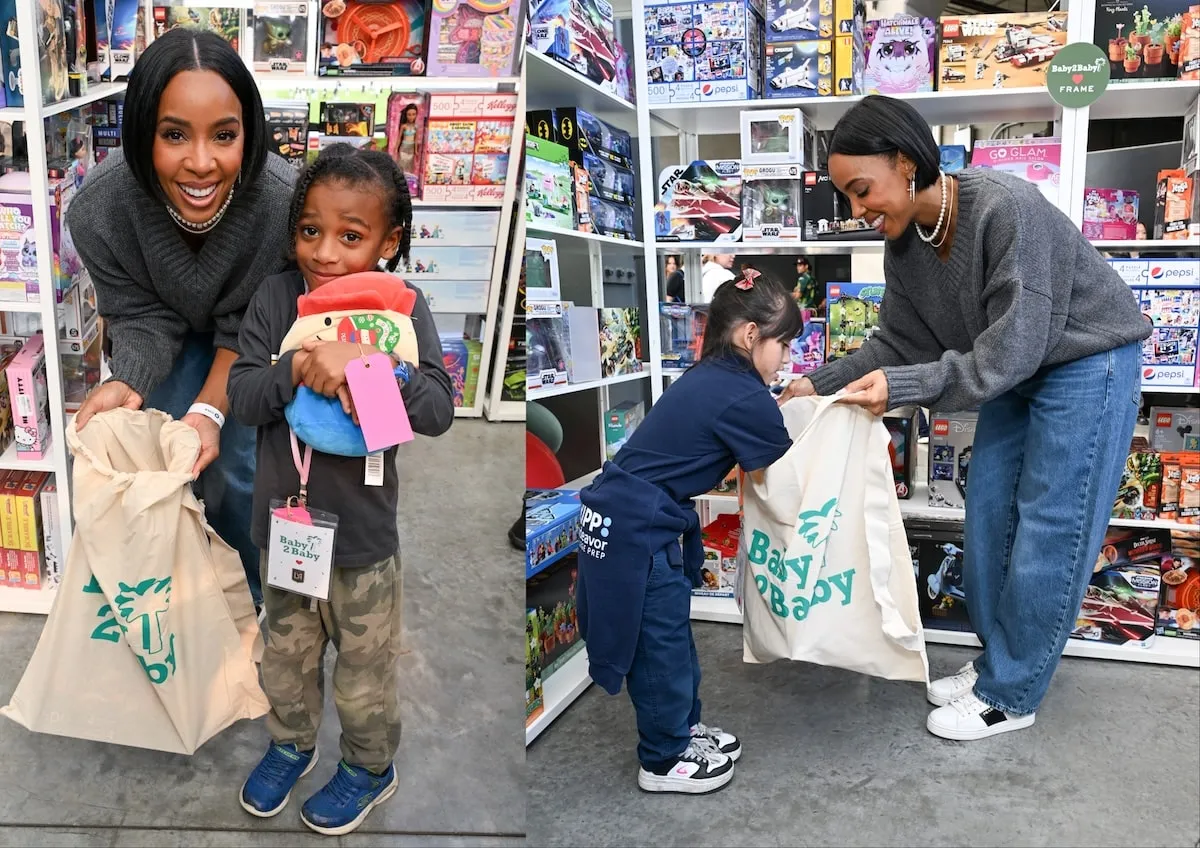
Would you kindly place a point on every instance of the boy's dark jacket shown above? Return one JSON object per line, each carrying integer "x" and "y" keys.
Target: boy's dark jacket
{"x": 258, "y": 393}
{"x": 626, "y": 520}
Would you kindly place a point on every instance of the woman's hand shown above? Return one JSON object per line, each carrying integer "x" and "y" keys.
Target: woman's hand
{"x": 869, "y": 392}
{"x": 210, "y": 440}
{"x": 797, "y": 388}
{"x": 111, "y": 395}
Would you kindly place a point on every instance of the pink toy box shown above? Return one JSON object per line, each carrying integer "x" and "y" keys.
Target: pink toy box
{"x": 467, "y": 143}
{"x": 901, "y": 55}
{"x": 1035, "y": 160}
{"x": 472, "y": 38}
{"x": 27, "y": 393}
{"x": 1110, "y": 214}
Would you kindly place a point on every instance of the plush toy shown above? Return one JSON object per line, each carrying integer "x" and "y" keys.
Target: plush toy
{"x": 372, "y": 308}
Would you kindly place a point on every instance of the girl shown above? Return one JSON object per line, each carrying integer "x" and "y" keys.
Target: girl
{"x": 351, "y": 211}
{"x": 635, "y": 582}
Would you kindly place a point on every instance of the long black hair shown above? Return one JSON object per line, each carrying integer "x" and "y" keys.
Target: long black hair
{"x": 767, "y": 303}
{"x": 172, "y": 53}
{"x": 884, "y": 126}
{"x": 361, "y": 168}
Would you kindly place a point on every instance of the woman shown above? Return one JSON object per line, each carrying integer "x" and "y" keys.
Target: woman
{"x": 995, "y": 301}
{"x": 177, "y": 228}
{"x": 673, "y": 271}
{"x": 716, "y": 269}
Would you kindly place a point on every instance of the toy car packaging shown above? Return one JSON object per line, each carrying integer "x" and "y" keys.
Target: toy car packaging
{"x": 1121, "y": 601}
{"x": 700, "y": 202}
{"x": 999, "y": 51}
{"x": 372, "y": 308}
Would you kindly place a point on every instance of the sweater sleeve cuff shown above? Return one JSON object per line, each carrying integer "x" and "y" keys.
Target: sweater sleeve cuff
{"x": 140, "y": 376}
{"x": 228, "y": 341}
{"x": 908, "y": 385}
{"x": 832, "y": 378}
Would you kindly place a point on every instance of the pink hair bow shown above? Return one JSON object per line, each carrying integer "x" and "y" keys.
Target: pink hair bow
{"x": 749, "y": 275}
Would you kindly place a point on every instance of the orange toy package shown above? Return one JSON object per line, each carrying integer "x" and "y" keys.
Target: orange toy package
{"x": 1188, "y": 59}
{"x": 1179, "y": 609}
{"x": 1173, "y": 218}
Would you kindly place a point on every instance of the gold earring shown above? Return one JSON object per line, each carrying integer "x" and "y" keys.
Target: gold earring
{"x": 912, "y": 189}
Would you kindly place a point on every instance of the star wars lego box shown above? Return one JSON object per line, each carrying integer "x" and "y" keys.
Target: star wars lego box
{"x": 998, "y": 51}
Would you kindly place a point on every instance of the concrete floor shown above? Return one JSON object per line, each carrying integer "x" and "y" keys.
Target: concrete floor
{"x": 461, "y": 761}
{"x": 834, "y": 758}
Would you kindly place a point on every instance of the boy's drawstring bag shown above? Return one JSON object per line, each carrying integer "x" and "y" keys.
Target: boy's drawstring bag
{"x": 152, "y": 639}
{"x": 826, "y": 575}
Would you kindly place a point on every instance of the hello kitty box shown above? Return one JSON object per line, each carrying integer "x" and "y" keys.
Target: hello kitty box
{"x": 901, "y": 55}
{"x": 27, "y": 394}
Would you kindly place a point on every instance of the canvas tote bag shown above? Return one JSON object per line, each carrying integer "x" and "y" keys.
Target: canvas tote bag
{"x": 152, "y": 638}
{"x": 826, "y": 572}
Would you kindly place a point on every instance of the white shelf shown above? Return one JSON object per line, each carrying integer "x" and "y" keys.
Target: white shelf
{"x": 552, "y": 84}
{"x": 571, "y": 388}
{"x": 19, "y": 305}
{"x": 720, "y": 610}
{"x": 579, "y": 482}
{"x": 467, "y": 412}
{"x": 771, "y": 246}
{"x": 97, "y": 91}
{"x": 1128, "y": 101}
{"x": 1152, "y": 245}
{"x": 11, "y": 461}
{"x": 509, "y": 410}
{"x": 558, "y": 691}
{"x": 559, "y": 232}
{"x": 1169, "y": 390}
{"x": 30, "y": 601}
{"x": 720, "y": 497}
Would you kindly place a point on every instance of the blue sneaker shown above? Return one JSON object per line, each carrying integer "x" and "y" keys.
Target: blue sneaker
{"x": 344, "y": 802}
{"x": 268, "y": 788}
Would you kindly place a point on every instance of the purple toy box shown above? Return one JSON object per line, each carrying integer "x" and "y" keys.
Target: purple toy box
{"x": 901, "y": 55}
{"x": 472, "y": 38}
{"x": 1110, "y": 214}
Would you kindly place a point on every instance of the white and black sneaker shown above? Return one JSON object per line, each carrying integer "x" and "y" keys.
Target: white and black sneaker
{"x": 967, "y": 718}
{"x": 726, "y": 743}
{"x": 945, "y": 689}
{"x": 699, "y": 769}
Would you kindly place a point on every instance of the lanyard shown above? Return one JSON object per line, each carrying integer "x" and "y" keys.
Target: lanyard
{"x": 302, "y": 465}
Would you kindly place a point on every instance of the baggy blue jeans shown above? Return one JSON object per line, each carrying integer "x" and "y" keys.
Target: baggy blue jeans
{"x": 664, "y": 677}
{"x": 1045, "y": 468}
{"x": 226, "y": 486}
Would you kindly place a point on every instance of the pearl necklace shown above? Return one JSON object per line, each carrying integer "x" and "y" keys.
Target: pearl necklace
{"x": 207, "y": 225}
{"x": 941, "y": 217}
{"x": 937, "y": 245}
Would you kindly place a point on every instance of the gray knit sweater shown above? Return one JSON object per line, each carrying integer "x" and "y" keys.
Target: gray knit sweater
{"x": 1022, "y": 289}
{"x": 151, "y": 288}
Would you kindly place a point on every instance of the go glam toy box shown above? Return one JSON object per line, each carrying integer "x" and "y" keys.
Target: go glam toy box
{"x": 1035, "y": 160}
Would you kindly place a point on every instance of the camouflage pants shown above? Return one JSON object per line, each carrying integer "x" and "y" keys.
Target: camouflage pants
{"x": 362, "y": 619}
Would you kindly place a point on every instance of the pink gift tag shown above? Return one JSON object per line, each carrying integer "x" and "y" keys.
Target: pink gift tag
{"x": 377, "y": 400}
{"x": 297, "y": 514}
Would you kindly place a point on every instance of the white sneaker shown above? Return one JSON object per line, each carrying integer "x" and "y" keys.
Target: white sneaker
{"x": 699, "y": 769}
{"x": 967, "y": 718}
{"x": 945, "y": 689}
{"x": 726, "y": 743}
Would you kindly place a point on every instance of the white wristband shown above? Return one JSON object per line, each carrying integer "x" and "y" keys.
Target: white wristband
{"x": 208, "y": 411}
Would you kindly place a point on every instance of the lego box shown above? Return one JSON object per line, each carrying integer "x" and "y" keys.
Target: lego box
{"x": 825, "y": 212}
{"x": 938, "y": 562}
{"x": 799, "y": 69}
{"x": 853, "y": 310}
{"x": 1174, "y": 429}
{"x": 551, "y": 527}
{"x": 998, "y": 51}
{"x": 951, "y": 436}
{"x": 1140, "y": 492}
{"x": 700, "y": 52}
{"x": 700, "y": 202}
{"x": 799, "y": 20}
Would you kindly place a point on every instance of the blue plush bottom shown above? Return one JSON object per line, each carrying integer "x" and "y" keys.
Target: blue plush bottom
{"x": 321, "y": 423}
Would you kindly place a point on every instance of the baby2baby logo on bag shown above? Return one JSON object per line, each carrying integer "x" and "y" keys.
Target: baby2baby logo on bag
{"x": 137, "y": 613}
{"x": 785, "y": 576}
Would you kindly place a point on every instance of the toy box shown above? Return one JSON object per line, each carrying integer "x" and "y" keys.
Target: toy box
{"x": 700, "y": 52}
{"x": 807, "y": 352}
{"x": 512, "y": 386}
{"x": 681, "y": 331}
{"x": 80, "y": 359}
{"x": 456, "y": 296}
{"x": 452, "y": 229}
{"x": 1179, "y": 498}
{"x": 473, "y": 38}
{"x": 583, "y": 343}
{"x": 120, "y": 36}
{"x": 849, "y": 48}
{"x": 581, "y": 182}
{"x": 578, "y": 33}
{"x": 999, "y": 51}
{"x": 950, "y": 438}
{"x": 1169, "y": 354}
{"x": 902, "y": 425}
{"x": 10, "y": 55}
{"x": 798, "y": 69}
{"x": 954, "y": 157}
{"x": 535, "y": 694}
{"x": 27, "y": 504}
{"x": 1139, "y": 38}
{"x": 52, "y": 50}
{"x": 427, "y": 262}
{"x": 18, "y": 249}
{"x": 226, "y": 21}
{"x": 1174, "y": 217}
{"x": 610, "y": 219}
{"x": 700, "y": 202}
{"x": 279, "y": 37}
{"x": 1110, "y": 214}
{"x": 1174, "y": 428}
{"x": 287, "y": 130}
{"x": 582, "y": 132}
{"x": 901, "y": 54}
{"x": 30, "y": 403}
{"x": 348, "y": 119}
{"x": 853, "y": 310}
{"x": 825, "y": 212}
{"x": 467, "y": 142}
{"x": 799, "y": 20}
{"x": 619, "y": 424}
{"x": 541, "y": 270}
{"x": 1141, "y": 486}
{"x": 620, "y": 341}
{"x": 406, "y": 115}
{"x": 777, "y": 136}
{"x": 771, "y": 202}
{"x": 609, "y": 181}
{"x": 551, "y": 527}
{"x": 1189, "y": 156}
{"x": 1035, "y": 160}
{"x": 461, "y": 358}
{"x": 372, "y": 38}
{"x": 719, "y": 573}
{"x": 1179, "y": 605}
{"x": 1186, "y": 51}
{"x": 551, "y": 594}
{"x": 75, "y": 36}
{"x": 547, "y": 346}
{"x": 52, "y": 546}
{"x": 77, "y": 312}
{"x": 937, "y": 548}
{"x": 1121, "y": 601}
{"x": 548, "y": 184}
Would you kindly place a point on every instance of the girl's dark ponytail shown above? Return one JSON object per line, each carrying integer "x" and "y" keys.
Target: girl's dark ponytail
{"x": 751, "y": 296}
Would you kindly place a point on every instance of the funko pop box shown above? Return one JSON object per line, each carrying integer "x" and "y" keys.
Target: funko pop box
{"x": 700, "y": 52}
{"x": 998, "y": 51}
{"x": 771, "y": 202}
